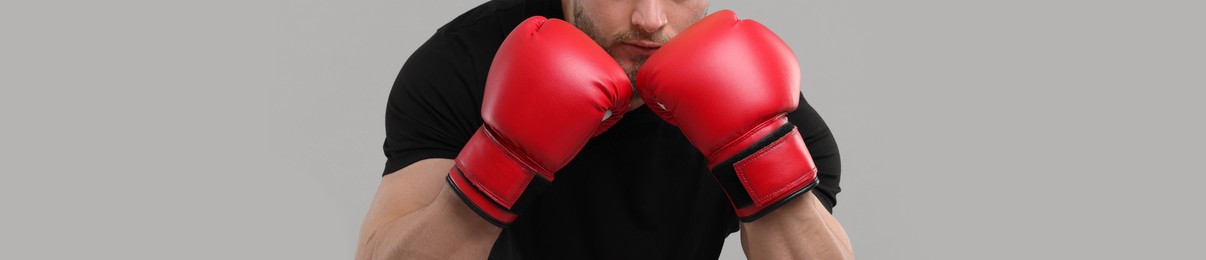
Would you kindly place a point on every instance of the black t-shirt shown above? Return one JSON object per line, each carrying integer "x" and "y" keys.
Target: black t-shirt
{"x": 637, "y": 191}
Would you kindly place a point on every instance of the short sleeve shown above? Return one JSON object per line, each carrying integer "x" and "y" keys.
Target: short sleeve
{"x": 824, "y": 150}
{"x": 434, "y": 105}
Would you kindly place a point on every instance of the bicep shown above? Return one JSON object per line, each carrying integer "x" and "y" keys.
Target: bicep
{"x": 433, "y": 107}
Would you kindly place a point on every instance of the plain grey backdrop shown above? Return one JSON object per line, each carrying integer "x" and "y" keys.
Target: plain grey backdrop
{"x": 1054, "y": 129}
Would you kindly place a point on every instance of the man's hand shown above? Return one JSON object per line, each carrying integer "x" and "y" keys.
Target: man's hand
{"x": 729, "y": 84}
{"x": 550, "y": 89}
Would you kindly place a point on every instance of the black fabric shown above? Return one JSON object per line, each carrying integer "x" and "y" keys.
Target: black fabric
{"x": 637, "y": 191}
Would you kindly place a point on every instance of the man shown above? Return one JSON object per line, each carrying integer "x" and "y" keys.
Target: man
{"x": 511, "y": 136}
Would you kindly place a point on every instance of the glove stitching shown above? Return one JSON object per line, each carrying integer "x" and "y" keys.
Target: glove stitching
{"x": 743, "y": 137}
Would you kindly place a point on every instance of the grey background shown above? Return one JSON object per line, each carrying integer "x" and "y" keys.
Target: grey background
{"x": 1059, "y": 129}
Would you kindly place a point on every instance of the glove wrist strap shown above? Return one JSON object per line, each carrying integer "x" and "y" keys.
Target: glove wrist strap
{"x": 767, "y": 174}
{"x": 491, "y": 180}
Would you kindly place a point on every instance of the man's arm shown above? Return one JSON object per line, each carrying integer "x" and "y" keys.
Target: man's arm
{"x": 415, "y": 215}
{"x": 801, "y": 229}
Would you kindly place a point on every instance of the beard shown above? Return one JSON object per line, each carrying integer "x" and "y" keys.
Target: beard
{"x": 609, "y": 42}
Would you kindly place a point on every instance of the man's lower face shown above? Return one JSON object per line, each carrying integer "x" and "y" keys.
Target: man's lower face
{"x": 613, "y": 44}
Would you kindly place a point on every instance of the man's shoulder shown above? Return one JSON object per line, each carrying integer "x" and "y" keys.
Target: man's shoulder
{"x": 475, "y": 35}
{"x": 497, "y": 18}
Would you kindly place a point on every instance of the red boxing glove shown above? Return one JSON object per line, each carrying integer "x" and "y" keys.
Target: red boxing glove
{"x": 729, "y": 84}
{"x": 550, "y": 89}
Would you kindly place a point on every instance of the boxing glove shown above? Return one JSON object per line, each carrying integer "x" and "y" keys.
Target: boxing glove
{"x": 728, "y": 84}
{"x": 550, "y": 89}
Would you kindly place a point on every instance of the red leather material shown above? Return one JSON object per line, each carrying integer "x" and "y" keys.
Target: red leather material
{"x": 548, "y": 84}
{"x": 723, "y": 59}
{"x": 764, "y": 188}
{"x": 746, "y": 140}
{"x": 550, "y": 89}
{"x": 728, "y": 84}
{"x": 495, "y": 168}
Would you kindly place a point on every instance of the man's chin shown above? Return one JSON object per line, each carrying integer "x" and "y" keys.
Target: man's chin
{"x": 635, "y": 103}
{"x": 632, "y": 65}
{"x": 631, "y": 69}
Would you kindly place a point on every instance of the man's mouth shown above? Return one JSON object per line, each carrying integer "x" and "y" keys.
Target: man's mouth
{"x": 642, "y": 47}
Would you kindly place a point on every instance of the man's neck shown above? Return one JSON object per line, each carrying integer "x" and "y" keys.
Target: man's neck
{"x": 567, "y": 9}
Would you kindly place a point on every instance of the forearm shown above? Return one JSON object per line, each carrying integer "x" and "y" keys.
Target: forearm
{"x": 445, "y": 229}
{"x": 801, "y": 229}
